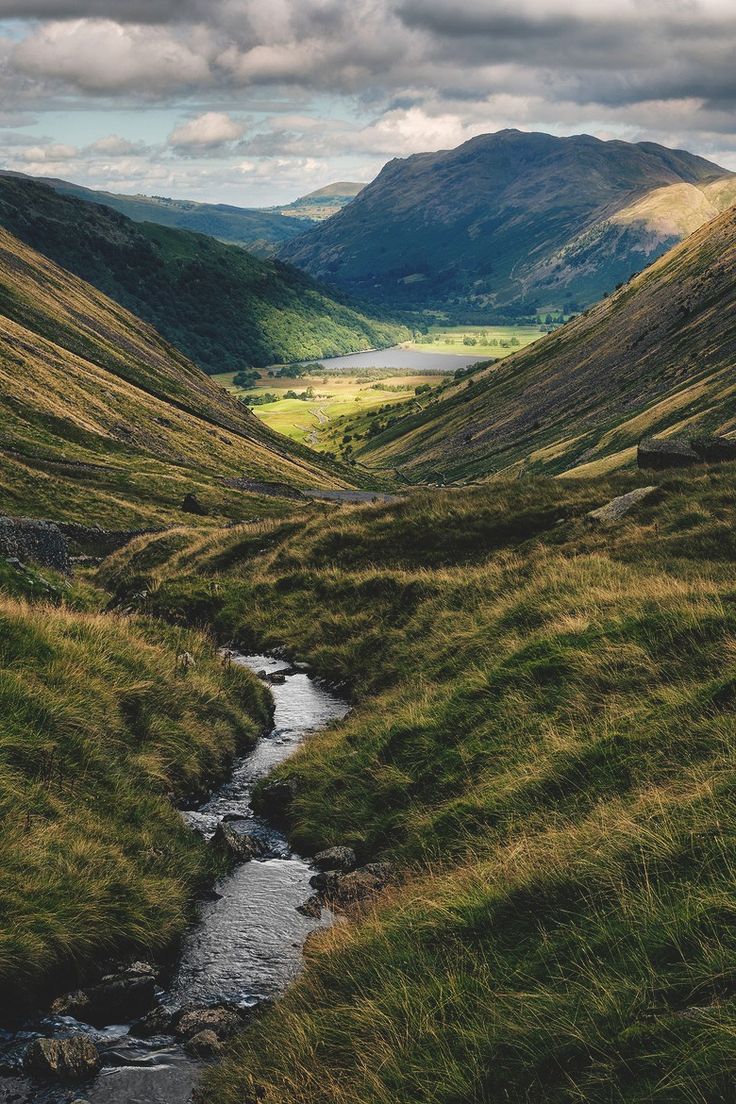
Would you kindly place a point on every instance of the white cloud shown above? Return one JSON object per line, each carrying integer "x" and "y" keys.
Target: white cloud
{"x": 99, "y": 55}
{"x": 112, "y": 145}
{"x": 55, "y": 152}
{"x": 212, "y": 129}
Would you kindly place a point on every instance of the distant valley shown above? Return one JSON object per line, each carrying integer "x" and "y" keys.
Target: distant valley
{"x": 223, "y": 307}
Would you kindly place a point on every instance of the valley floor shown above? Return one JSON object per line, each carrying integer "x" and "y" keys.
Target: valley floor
{"x": 543, "y": 743}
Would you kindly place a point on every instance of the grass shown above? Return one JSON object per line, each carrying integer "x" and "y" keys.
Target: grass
{"x": 102, "y": 419}
{"x": 487, "y": 341}
{"x": 99, "y": 734}
{"x": 219, "y": 304}
{"x": 543, "y": 740}
{"x": 336, "y": 397}
{"x": 664, "y": 344}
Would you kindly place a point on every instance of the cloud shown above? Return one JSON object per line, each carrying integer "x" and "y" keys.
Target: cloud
{"x": 212, "y": 129}
{"x": 374, "y": 78}
{"x": 112, "y": 145}
{"x": 105, "y": 56}
{"x": 56, "y": 152}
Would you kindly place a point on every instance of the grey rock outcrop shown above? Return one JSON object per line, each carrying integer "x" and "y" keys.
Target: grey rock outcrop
{"x": 192, "y": 505}
{"x": 219, "y": 1019}
{"x": 619, "y": 507}
{"x": 120, "y": 996}
{"x": 203, "y": 1045}
{"x": 238, "y": 846}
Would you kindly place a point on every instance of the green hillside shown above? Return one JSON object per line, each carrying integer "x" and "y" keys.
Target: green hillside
{"x": 103, "y": 422}
{"x": 260, "y": 231}
{"x": 543, "y": 744}
{"x": 510, "y": 222}
{"x": 656, "y": 357}
{"x": 223, "y": 307}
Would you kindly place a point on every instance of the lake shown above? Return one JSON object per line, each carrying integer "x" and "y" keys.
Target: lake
{"x": 405, "y": 359}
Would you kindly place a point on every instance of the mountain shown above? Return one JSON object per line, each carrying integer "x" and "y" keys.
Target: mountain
{"x": 220, "y": 305}
{"x": 511, "y": 221}
{"x": 323, "y": 203}
{"x": 261, "y": 230}
{"x": 102, "y": 419}
{"x": 655, "y": 357}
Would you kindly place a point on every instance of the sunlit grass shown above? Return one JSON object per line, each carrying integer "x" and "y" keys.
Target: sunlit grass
{"x": 99, "y": 733}
{"x": 544, "y": 741}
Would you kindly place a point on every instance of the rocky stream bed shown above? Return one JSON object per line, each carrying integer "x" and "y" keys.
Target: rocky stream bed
{"x": 244, "y": 948}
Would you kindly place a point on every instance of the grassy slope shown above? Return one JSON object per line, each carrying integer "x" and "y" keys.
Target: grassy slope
{"x": 545, "y": 733}
{"x": 489, "y": 223}
{"x": 655, "y": 357}
{"x": 102, "y": 420}
{"x": 248, "y": 227}
{"x": 98, "y": 731}
{"x": 223, "y": 307}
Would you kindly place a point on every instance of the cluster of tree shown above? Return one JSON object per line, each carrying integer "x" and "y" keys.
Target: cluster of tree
{"x": 391, "y": 387}
{"x": 305, "y": 396}
{"x": 246, "y": 377}
{"x": 259, "y": 400}
{"x": 218, "y": 304}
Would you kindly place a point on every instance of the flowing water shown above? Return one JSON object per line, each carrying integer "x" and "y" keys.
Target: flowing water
{"x": 246, "y": 944}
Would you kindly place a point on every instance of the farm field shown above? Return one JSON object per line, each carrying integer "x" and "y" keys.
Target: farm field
{"x": 489, "y": 341}
{"x": 335, "y": 396}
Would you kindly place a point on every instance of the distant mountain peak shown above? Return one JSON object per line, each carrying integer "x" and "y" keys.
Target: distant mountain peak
{"x": 504, "y": 222}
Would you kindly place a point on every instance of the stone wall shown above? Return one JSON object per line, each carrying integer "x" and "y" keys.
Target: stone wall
{"x": 101, "y": 542}
{"x": 40, "y": 542}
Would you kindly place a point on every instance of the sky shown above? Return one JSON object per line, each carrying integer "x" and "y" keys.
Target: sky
{"x": 254, "y": 102}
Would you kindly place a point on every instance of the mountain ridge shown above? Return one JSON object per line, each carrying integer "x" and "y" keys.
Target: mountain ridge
{"x": 476, "y": 226}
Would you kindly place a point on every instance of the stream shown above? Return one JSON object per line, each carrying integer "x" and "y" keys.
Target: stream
{"x": 245, "y": 946}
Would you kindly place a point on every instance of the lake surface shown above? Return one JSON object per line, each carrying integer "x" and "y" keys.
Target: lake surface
{"x": 406, "y": 359}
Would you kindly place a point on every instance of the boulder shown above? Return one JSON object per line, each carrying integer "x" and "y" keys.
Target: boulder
{"x": 159, "y": 1021}
{"x": 192, "y": 505}
{"x": 221, "y": 1020}
{"x": 666, "y": 452}
{"x": 272, "y": 800}
{"x": 342, "y": 859}
{"x": 682, "y": 452}
{"x": 714, "y": 450}
{"x": 69, "y": 1059}
{"x": 118, "y": 997}
{"x": 619, "y": 507}
{"x": 357, "y": 885}
{"x": 312, "y": 907}
{"x": 203, "y": 1045}
{"x": 326, "y": 882}
{"x": 238, "y": 846}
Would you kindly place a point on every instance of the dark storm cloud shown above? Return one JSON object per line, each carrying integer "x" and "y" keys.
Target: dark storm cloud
{"x": 432, "y": 71}
{"x": 124, "y": 11}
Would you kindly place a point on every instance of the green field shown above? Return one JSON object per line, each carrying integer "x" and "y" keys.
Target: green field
{"x": 309, "y": 421}
{"x": 486, "y": 341}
